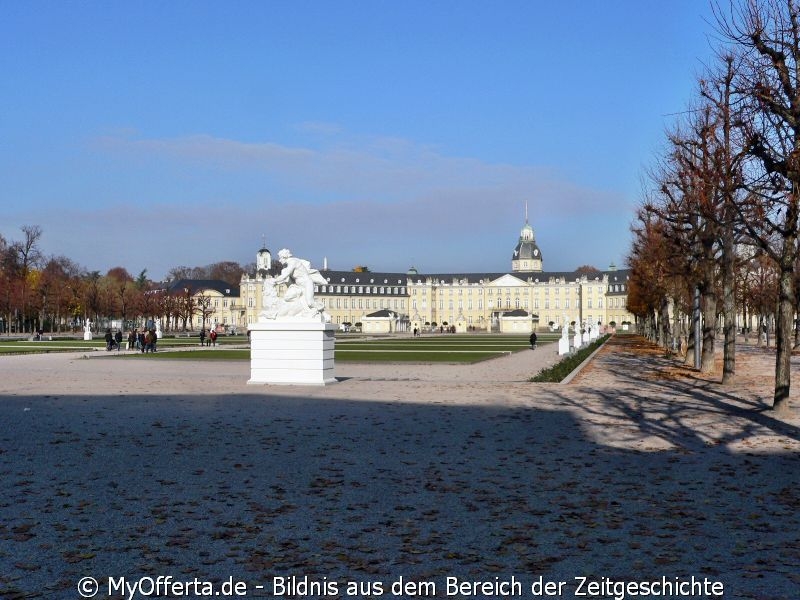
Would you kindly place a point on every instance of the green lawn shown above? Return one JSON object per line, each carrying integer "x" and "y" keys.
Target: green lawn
{"x": 442, "y": 348}
{"x": 98, "y": 343}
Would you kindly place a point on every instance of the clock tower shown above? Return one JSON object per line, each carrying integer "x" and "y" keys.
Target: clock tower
{"x": 527, "y": 256}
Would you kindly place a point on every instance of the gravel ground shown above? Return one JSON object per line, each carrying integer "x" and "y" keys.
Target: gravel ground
{"x": 637, "y": 470}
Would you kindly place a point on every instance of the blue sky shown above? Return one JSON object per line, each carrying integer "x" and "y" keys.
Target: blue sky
{"x": 152, "y": 134}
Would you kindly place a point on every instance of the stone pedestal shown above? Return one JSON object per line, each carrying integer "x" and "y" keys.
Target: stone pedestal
{"x": 285, "y": 352}
{"x": 563, "y": 346}
{"x": 87, "y": 336}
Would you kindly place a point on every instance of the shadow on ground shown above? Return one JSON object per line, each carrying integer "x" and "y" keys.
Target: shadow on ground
{"x": 255, "y": 486}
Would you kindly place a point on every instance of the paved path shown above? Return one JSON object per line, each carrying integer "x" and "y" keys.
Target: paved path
{"x": 638, "y": 470}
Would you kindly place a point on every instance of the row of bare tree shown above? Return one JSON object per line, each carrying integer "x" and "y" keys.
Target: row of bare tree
{"x": 721, "y": 215}
{"x": 56, "y": 294}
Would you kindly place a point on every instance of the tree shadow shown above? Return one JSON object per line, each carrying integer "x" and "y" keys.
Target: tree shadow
{"x": 258, "y": 485}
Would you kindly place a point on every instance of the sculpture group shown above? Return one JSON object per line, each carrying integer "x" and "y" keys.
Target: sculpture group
{"x": 584, "y": 333}
{"x": 293, "y": 342}
{"x": 298, "y": 300}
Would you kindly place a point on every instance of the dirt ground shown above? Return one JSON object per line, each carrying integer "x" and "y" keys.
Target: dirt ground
{"x": 638, "y": 471}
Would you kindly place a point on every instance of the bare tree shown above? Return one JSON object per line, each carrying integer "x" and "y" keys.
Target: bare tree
{"x": 766, "y": 35}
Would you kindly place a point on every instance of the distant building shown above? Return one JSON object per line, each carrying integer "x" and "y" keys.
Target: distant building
{"x": 523, "y": 299}
{"x": 216, "y": 300}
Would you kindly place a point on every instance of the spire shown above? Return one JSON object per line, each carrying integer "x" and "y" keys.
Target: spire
{"x": 526, "y": 211}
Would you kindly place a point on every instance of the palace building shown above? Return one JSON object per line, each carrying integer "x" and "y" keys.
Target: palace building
{"x": 520, "y": 300}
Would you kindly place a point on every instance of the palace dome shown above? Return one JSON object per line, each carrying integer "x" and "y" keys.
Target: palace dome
{"x": 526, "y": 248}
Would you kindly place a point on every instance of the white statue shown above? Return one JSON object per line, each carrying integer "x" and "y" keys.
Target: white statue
{"x": 159, "y": 335}
{"x": 87, "y": 330}
{"x": 298, "y": 300}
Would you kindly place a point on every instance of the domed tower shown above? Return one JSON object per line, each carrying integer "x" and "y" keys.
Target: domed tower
{"x": 527, "y": 256}
{"x": 263, "y": 261}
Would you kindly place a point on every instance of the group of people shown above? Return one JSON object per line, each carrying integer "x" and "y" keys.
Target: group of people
{"x": 113, "y": 340}
{"x": 210, "y": 339}
{"x": 144, "y": 340}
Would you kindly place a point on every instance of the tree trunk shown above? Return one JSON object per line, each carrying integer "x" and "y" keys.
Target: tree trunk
{"x": 783, "y": 337}
{"x": 796, "y": 330}
{"x": 709, "y": 304}
{"x": 729, "y": 308}
{"x": 664, "y": 322}
{"x": 690, "y": 343}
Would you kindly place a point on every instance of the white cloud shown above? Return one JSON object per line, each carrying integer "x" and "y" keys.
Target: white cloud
{"x": 375, "y": 170}
{"x": 386, "y": 202}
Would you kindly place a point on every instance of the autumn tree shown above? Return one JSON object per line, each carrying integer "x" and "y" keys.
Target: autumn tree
{"x": 123, "y": 289}
{"x": 651, "y": 280}
{"x": 59, "y": 289}
{"x": 588, "y": 271}
{"x": 19, "y": 261}
{"x": 228, "y": 271}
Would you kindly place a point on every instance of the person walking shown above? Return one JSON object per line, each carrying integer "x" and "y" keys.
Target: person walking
{"x": 533, "y": 340}
{"x": 202, "y": 337}
{"x": 153, "y": 340}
